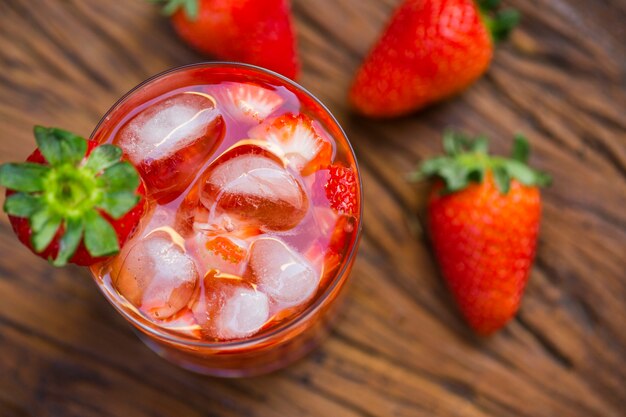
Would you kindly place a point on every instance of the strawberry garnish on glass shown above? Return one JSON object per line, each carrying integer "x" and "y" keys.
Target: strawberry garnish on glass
{"x": 72, "y": 200}
{"x": 483, "y": 219}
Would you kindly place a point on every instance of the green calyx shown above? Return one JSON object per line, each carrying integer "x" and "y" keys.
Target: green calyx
{"x": 190, "y": 7}
{"x": 71, "y": 192}
{"x": 467, "y": 160}
{"x": 500, "y": 23}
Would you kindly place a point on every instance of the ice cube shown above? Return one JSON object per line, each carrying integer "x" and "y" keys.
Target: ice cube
{"x": 284, "y": 275}
{"x": 170, "y": 139}
{"x": 230, "y": 308}
{"x": 252, "y": 183}
{"x": 155, "y": 274}
{"x": 244, "y": 312}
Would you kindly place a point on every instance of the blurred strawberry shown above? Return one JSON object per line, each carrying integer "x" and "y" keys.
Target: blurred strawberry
{"x": 73, "y": 200}
{"x": 251, "y": 31}
{"x": 430, "y": 50}
{"x": 483, "y": 219}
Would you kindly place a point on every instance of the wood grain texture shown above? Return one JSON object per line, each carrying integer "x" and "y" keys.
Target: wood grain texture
{"x": 401, "y": 348}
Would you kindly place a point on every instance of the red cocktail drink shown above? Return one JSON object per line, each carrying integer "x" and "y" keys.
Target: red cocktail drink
{"x": 252, "y": 223}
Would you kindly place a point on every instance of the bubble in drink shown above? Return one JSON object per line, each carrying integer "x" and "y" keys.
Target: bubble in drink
{"x": 230, "y": 308}
{"x": 155, "y": 274}
{"x": 252, "y": 183}
{"x": 169, "y": 139}
{"x": 280, "y": 272}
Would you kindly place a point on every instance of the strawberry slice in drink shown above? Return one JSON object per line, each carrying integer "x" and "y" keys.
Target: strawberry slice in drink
{"x": 298, "y": 140}
{"x": 228, "y": 307}
{"x": 251, "y": 183}
{"x": 247, "y": 102}
{"x": 170, "y": 139}
{"x": 224, "y": 254}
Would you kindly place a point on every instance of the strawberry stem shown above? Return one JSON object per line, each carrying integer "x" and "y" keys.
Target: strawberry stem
{"x": 190, "y": 7}
{"x": 467, "y": 160}
{"x": 500, "y": 23}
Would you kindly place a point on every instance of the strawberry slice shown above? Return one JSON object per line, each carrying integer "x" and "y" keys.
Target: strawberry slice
{"x": 73, "y": 200}
{"x": 297, "y": 140}
{"x": 341, "y": 189}
{"x": 247, "y": 102}
{"x": 227, "y": 249}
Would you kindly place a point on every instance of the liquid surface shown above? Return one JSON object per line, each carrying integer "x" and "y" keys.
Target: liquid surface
{"x": 253, "y": 206}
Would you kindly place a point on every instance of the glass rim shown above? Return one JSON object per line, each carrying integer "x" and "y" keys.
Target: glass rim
{"x": 152, "y": 328}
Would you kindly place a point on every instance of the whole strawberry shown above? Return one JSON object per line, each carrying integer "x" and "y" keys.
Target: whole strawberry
{"x": 73, "y": 200}
{"x": 430, "y": 50}
{"x": 251, "y": 31}
{"x": 483, "y": 219}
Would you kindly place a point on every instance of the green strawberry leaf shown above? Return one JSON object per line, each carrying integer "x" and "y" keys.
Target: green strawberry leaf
{"x": 22, "y": 204}
{"x": 500, "y": 23}
{"x": 503, "y": 24}
{"x": 119, "y": 177}
{"x": 488, "y": 5}
{"x": 521, "y": 172}
{"x": 455, "y": 143}
{"x": 60, "y": 146}
{"x": 502, "y": 179}
{"x": 100, "y": 237}
{"x": 190, "y": 7}
{"x": 542, "y": 179}
{"x": 455, "y": 177}
{"x": 119, "y": 203}
{"x": 103, "y": 157}
{"x": 69, "y": 241}
{"x": 45, "y": 225}
{"x": 521, "y": 149}
{"x": 432, "y": 166}
{"x": 480, "y": 145}
{"x": 26, "y": 177}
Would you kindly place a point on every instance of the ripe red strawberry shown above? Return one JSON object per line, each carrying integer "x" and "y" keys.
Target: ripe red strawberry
{"x": 251, "y": 31}
{"x": 341, "y": 189}
{"x": 430, "y": 50}
{"x": 72, "y": 201}
{"x": 483, "y": 219}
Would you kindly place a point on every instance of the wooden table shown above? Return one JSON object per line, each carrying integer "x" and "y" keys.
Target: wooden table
{"x": 401, "y": 348}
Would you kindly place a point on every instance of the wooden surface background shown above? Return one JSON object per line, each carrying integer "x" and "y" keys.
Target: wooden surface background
{"x": 401, "y": 348}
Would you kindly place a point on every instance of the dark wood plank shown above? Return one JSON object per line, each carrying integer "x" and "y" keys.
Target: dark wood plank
{"x": 400, "y": 349}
